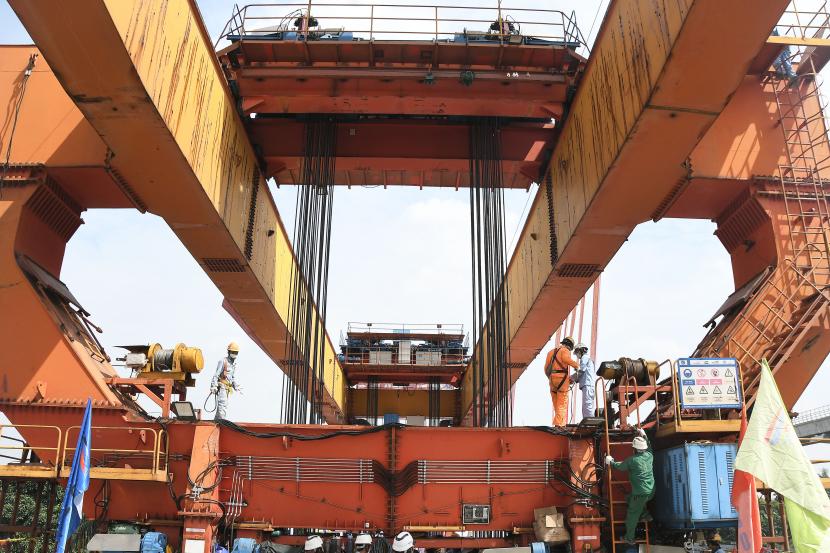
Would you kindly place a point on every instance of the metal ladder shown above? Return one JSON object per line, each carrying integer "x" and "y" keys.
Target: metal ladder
{"x": 616, "y": 490}
{"x": 794, "y": 295}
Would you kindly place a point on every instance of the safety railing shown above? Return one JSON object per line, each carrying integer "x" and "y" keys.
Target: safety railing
{"x": 805, "y": 19}
{"x": 503, "y": 23}
{"x": 146, "y": 461}
{"x": 416, "y": 358}
{"x": 36, "y": 456}
{"x": 404, "y": 329}
{"x": 818, "y": 413}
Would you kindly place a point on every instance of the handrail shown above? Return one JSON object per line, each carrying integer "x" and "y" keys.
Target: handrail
{"x": 154, "y": 449}
{"x": 28, "y": 447}
{"x": 498, "y": 23}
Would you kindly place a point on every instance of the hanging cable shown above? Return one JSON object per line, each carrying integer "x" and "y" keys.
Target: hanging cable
{"x": 434, "y": 401}
{"x": 303, "y": 393}
{"x": 27, "y": 73}
{"x": 490, "y": 363}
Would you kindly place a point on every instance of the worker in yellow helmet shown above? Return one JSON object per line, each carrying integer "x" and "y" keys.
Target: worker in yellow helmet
{"x": 557, "y": 366}
{"x": 714, "y": 544}
{"x": 224, "y": 381}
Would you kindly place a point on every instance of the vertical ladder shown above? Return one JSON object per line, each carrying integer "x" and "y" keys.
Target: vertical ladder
{"x": 616, "y": 491}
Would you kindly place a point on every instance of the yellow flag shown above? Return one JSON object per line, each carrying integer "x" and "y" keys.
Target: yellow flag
{"x": 772, "y": 452}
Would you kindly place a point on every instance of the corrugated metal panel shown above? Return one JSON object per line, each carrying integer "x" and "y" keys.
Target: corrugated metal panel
{"x": 693, "y": 485}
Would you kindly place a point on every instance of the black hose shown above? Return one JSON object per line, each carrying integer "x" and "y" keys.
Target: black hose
{"x": 299, "y": 437}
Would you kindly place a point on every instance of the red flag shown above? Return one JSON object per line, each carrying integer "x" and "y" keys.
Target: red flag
{"x": 745, "y": 501}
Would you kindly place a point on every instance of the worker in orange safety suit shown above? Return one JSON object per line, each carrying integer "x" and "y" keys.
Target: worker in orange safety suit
{"x": 557, "y": 366}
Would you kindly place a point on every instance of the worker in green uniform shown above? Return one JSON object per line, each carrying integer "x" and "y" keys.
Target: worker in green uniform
{"x": 640, "y": 468}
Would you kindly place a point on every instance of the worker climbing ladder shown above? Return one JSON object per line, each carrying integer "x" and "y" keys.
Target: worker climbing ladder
{"x": 618, "y": 445}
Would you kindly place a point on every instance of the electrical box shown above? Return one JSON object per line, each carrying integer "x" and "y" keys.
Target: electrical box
{"x": 380, "y": 357}
{"x": 404, "y": 352}
{"x": 475, "y": 514}
{"x": 428, "y": 357}
{"x": 693, "y": 486}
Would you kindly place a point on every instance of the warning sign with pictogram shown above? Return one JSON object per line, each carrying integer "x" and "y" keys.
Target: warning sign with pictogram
{"x": 702, "y": 382}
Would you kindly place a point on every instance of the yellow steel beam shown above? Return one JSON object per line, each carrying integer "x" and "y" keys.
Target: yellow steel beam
{"x": 402, "y": 402}
{"x": 144, "y": 74}
{"x": 798, "y": 41}
{"x": 658, "y": 76}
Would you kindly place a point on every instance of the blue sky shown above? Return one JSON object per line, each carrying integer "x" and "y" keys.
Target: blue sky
{"x": 398, "y": 255}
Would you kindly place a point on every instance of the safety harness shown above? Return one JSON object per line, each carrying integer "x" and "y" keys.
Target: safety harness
{"x": 549, "y": 369}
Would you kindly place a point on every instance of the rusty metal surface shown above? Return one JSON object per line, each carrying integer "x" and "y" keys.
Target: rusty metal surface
{"x": 649, "y": 78}
{"x": 177, "y": 139}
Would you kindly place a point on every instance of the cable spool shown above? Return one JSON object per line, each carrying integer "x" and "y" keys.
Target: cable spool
{"x": 640, "y": 369}
{"x": 181, "y": 359}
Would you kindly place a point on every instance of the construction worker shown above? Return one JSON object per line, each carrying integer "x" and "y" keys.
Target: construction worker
{"x": 403, "y": 543}
{"x": 270, "y": 544}
{"x": 557, "y": 366}
{"x": 313, "y": 544}
{"x": 714, "y": 544}
{"x": 224, "y": 383}
{"x": 584, "y": 378}
{"x": 362, "y": 543}
{"x": 640, "y": 468}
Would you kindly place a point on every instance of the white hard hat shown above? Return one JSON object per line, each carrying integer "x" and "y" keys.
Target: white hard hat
{"x": 580, "y": 346}
{"x": 639, "y": 443}
{"x": 363, "y": 539}
{"x": 403, "y": 542}
{"x": 313, "y": 542}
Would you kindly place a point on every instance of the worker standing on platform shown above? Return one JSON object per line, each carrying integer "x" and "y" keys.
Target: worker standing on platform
{"x": 363, "y": 543}
{"x": 584, "y": 378}
{"x": 557, "y": 366}
{"x": 640, "y": 468}
{"x": 714, "y": 544}
{"x": 270, "y": 545}
{"x": 313, "y": 544}
{"x": 403, "y": 543}
{"x": 224, "y": 381}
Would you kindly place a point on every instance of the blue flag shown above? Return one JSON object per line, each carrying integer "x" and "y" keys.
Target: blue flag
{"x": 73, "y": 497}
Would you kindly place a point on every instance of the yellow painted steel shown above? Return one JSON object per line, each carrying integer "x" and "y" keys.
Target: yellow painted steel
{"x": 648, "y": 94}
{"x": 144, "y": 74}
{"x": 799, "y": 41}
{"x": 402, "y": 402}
{"x": 601, "y": 118}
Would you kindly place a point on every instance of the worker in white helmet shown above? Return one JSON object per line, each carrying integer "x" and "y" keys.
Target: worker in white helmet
{"x": 640, "y": 469}
{"x": 584, "y": 378}
{"x": 313, "y": 544}
{"x": 362, "y": 543}
{"x": 224, "y": 381}
{"x": 403, "y": 543}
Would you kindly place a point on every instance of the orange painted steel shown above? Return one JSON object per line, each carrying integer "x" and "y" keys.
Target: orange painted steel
{"x": 402, "y": 153}
{"x": 594, "y": 194}
{"x": 125, "y": 141}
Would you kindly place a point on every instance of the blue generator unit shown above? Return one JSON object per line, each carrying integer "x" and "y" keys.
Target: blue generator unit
{"x": 693, "y": 485}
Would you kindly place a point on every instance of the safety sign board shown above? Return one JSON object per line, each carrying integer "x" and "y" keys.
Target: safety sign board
{"x": 709, "y": 383}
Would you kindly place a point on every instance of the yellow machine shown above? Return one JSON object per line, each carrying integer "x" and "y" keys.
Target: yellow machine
{"x": 154, "y": 361}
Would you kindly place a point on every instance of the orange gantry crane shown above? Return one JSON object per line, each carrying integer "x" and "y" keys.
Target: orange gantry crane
{"x": 692, "y": 109}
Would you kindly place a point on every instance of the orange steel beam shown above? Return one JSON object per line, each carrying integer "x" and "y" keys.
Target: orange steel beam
{"x": 408, "y": 77}
{"x": 50, "y": 354}
{"x": 144, "y": 75}
{"x": 408, "y": 152}
{"x": 352, "y": 497}
{"x": 650, "y": 77}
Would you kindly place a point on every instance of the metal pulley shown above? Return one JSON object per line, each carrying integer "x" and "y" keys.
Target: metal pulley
{"x": 625, "y": 367}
